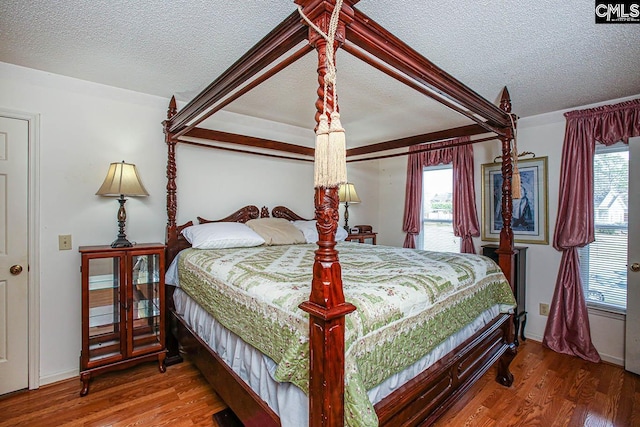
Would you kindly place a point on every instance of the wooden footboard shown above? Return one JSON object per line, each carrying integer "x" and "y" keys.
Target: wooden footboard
{"x": 426, "y": 397}
{"x": 419, "y": 402}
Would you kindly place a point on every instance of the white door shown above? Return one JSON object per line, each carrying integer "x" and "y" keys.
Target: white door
{"x": 14, "y": 332}
{"x": 632, "y": 341}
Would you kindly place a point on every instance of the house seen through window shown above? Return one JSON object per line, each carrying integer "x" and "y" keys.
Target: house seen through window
{"x": 603, "y": 263}
{"x": 437, "y": 210}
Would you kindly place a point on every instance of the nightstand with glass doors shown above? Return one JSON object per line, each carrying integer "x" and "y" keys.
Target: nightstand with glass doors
{"x": 122, "y": 308}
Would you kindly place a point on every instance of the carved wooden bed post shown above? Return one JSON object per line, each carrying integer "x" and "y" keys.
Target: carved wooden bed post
{"x": 326, "y": 305}
{"x": 173, "y": 354}
{"x": 505, "y": 251}
{"x": 172, "y": 204}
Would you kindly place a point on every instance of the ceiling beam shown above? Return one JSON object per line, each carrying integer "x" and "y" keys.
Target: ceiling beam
{"x": 249, "y": 141}
{"x": 262, "y": 143}
{"x": 417, "y": 139}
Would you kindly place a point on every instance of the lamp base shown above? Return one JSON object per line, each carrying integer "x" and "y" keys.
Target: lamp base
{"x": 346, "y": 216}
{"x": 121, "y": 242}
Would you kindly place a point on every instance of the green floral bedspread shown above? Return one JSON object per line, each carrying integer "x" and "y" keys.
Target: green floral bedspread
{"x": 407, "y": 301}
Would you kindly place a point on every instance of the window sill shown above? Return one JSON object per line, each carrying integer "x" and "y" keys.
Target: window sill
{"x": 607, "y": 311}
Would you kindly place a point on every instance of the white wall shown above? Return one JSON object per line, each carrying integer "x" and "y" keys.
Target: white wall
{"x": 543, "y": 135}
{"x": 393, "y": 178}
{"x": 364, "y": 175}
{"x": 84, "y": 127}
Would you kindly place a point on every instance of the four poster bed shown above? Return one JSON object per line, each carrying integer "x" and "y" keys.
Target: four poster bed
{"x": 215, "y": 286}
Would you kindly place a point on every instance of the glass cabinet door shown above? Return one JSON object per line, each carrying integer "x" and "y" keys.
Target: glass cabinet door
{"x": 105, "y": 329}
{"x": 146, "y": 302}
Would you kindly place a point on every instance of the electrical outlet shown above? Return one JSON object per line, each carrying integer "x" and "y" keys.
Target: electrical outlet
{"x": 544, "y": 309}
{"x": 64, "y": 242}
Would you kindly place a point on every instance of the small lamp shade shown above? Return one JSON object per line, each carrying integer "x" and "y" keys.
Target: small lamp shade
{"x": 347, "y": 193}
{"x": 122, "y": 179}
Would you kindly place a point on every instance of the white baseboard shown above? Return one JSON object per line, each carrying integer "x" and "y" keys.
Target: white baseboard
{"x": 605, "y": 357}
{"x": 61, "y": 376}
{"x": 614, "y": 360}
{"x": 533, "y": 337}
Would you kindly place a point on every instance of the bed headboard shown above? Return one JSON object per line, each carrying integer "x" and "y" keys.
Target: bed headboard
{"x": 241, "y": 215}
{"x": 286, "y": 213}
{"x": 176, "y": 241}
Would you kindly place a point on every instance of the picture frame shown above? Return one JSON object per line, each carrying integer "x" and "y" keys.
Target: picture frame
{"x": 530, "y": 213}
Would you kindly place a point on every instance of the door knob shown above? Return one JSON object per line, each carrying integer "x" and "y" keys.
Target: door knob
{"x": 635, "y": 267}
{"x": 15, "y": 269}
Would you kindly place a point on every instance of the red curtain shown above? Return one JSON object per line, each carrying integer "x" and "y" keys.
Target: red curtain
{"x": 465, "y": 217}
{"x": 567, "y": 330}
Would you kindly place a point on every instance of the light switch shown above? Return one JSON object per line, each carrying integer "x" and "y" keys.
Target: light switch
{"x": 64, "y": 242}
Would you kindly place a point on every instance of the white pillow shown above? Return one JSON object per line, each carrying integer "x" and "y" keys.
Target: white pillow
{"x": 310, "y": 231}
{"x": 221, "y": 235}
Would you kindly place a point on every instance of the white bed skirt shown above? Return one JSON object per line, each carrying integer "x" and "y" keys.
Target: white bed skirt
{"x": 287, "y": 400}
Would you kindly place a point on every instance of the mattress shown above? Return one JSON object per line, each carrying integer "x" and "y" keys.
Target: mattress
{"x": 410, "y": 303}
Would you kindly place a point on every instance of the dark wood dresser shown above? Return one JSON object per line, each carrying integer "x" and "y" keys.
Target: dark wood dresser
{"x": 520, "y": 285}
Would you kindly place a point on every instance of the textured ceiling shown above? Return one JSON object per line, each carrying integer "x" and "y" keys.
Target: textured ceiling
{"x": 550, "y": 54}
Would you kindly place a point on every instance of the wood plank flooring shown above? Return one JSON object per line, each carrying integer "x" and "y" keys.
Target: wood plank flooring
{"x": 549, "y": 390}
{"x": 139, "y": 396}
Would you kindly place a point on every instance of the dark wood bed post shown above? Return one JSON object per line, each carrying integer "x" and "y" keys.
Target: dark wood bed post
{"x": 505, "y": 250}
{"x": 173, "y": 353}
{"x": 172, "y": 203}
{"x": 326, "y": 305}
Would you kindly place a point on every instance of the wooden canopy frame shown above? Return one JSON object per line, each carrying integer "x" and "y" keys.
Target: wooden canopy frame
{"x": 363, "y": 38}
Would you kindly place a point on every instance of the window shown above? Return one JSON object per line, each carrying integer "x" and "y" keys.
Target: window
{"x": 437, "y": 208}
{"x": 603, "y": 263}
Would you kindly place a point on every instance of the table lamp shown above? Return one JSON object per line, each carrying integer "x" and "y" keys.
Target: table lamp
{"x": 122, "y": 180}
{"x": 347, "y": 194}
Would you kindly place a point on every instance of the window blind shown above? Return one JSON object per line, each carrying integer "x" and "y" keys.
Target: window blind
{"x": 603, "y": 263}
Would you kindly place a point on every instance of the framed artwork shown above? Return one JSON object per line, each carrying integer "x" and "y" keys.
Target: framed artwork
{"x": 530, "y": 213}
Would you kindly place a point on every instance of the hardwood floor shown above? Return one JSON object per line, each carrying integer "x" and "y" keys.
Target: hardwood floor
{"x": 139, "y": 396}
{"x": 549, "y": 390}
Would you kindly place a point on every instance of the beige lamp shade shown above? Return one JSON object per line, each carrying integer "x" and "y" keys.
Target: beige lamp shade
{"x": 347, "y": 193}
{"x": 122, "y": 180}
